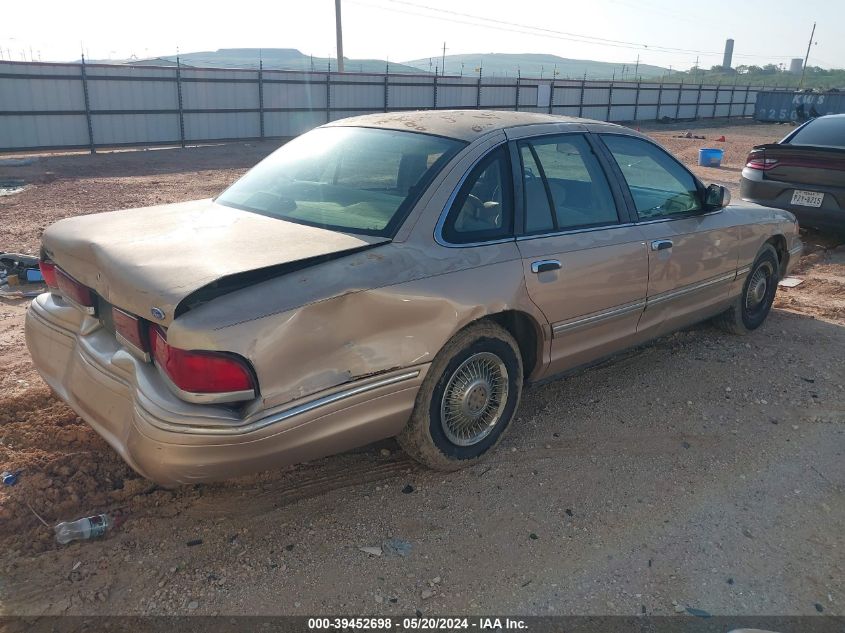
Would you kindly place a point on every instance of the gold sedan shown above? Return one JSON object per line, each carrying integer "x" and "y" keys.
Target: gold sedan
{"x": 388, "y": 275}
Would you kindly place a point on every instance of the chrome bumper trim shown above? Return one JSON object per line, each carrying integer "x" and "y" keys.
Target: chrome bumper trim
{"x": 280, "y": 416}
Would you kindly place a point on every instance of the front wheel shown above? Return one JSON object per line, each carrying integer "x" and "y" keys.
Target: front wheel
{"x": 467, "y": 400}
{"x": 753, "y": 305}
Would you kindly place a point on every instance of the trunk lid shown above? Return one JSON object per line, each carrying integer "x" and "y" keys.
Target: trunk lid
{"x": 149, "y": 259}
{"x": 805, "y": 164}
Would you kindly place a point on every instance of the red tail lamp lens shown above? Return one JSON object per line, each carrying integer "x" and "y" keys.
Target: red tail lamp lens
{"x": 73, "y": 290}
{"x": 48, "y": 271}
{"x": 758, "y": 161}
{"x": 199, "y": 371}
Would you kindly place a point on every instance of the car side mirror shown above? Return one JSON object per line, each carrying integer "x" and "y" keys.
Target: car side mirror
{"x": 716, "y": 197}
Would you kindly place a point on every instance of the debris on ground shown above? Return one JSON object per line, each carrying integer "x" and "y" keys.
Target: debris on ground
{"x": 20, "y": 276}
{"x": 10, "y": 478}
{"x": 689, "y": 135}
{"x": 83, "y": 529}
{"x": 371, "y": 550}
{"x": 790, "y": 282}
{"x": 397, "y": 546}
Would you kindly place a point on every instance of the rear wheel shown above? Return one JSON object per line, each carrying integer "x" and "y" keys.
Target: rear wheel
{"x": 754, "y": 303}
{"x": 467, "y": 400}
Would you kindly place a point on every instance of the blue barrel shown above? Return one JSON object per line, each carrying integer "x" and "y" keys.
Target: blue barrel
{"x": 710, "y": 157}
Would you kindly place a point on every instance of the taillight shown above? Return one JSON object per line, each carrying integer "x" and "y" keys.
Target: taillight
{"x": 74, "y": 291}
{"x": 201, "y": 372}
{"x": 48, "y": 271}
{"x": 757, "y": 160}
{"x": 129, "y": 330}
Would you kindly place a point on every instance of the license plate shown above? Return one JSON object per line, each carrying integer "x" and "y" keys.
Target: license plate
{"x": 807, "y": 198}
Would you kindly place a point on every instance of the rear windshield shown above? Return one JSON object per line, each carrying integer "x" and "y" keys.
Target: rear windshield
{"x": 826, "y": 131}
{"x": 358, "y": 180}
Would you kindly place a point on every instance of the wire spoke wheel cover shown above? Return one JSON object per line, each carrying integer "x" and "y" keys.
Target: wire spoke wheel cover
{"x": 758, "y": 288}
{"x": 474, "y": 399}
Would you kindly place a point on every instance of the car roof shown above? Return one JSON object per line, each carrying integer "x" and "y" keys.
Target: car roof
{"x": 466, "y": 125}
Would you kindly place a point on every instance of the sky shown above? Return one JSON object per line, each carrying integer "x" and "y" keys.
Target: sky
{"x": 660, "y": 32}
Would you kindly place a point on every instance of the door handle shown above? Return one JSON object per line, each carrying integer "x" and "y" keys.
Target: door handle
{"x": 661, "y": 245}
{"x": 543, "y": 265}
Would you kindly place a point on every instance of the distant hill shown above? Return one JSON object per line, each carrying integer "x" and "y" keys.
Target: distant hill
{"x": 272, "y": 58}
{"x": 492, "y": 64}
{"x": 533, "y": 65}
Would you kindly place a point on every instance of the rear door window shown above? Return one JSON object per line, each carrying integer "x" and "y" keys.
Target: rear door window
{"x": 565, "y": 186}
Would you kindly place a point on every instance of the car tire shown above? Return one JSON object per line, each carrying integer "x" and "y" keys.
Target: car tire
{"x": 467, "y": 399}
{"x": 754, "y": 303}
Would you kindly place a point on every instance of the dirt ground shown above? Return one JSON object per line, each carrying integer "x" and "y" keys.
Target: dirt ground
{"x": 703, "y": 471}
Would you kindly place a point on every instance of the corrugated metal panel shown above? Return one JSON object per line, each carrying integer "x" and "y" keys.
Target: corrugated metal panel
{"x": 456, "y": 95}
{"x": 350, "y": 95}
{"x": 116, "y": 129}
{"x": 285, "y": 124}
{"x": 41, "y": 94}
{"x": 567, "y": 95}
{"x": 224, "y": 125}
{"x": 621, "y": 113}
{"x": 783, "y": 106}
{"x": 52, "y": 130}
{"x": 140, "y": 104}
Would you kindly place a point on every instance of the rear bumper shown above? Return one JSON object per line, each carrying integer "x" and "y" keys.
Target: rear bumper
{"x": 773, "y": 193}
{"x": 173, "y": 442}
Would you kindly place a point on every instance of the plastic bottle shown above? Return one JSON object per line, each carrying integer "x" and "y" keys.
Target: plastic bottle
{"x": 83, "y": 529}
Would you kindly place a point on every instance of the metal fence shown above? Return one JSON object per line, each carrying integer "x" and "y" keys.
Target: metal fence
{"x": 789, "y": 106}
{"x": 47, "y": 106}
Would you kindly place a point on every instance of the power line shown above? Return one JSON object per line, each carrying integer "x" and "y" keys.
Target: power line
{"x": 552, "y": 33}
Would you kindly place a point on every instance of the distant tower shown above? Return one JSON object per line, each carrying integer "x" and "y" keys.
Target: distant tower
{"x": 729, "y": 53}
{"x": 796, "y": 65}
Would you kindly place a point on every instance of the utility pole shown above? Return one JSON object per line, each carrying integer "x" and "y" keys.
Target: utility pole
{"x": 339, "y": 30}
{"x": 637, "y": 67}
{"x": 443, "y": 61}
{"x": 807, "y": 56}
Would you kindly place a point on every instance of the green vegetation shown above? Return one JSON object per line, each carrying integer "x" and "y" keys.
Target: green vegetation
{"x": 768, "y": 75}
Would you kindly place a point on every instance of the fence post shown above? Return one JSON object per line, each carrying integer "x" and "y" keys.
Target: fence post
{"x": 551, "y": 96}
{"x": 328, "y": 97}
{"x": 434, "y": 86}
{"x": 386, "y": 85}
{"x": 698, "y": 100}
{"x": 478, "y": 94}
{"x": 678, "y": 102}
{"x": 731, "y": 106}
{"x": 637, "y": 100}
{"x": 261, "y": 97}
{"x": 745, "y": 104}
{"x": 659, "y": 99}
{"x": 179, "y": 99}
{"x": 87, "y": 109}
{"x": 518, "y": 77}
{"x": 581, "y": 100}
{"x": 716, "y": 99}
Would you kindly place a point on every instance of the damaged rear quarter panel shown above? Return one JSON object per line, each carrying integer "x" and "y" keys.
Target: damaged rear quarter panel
{"x": 390, "y": 307}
